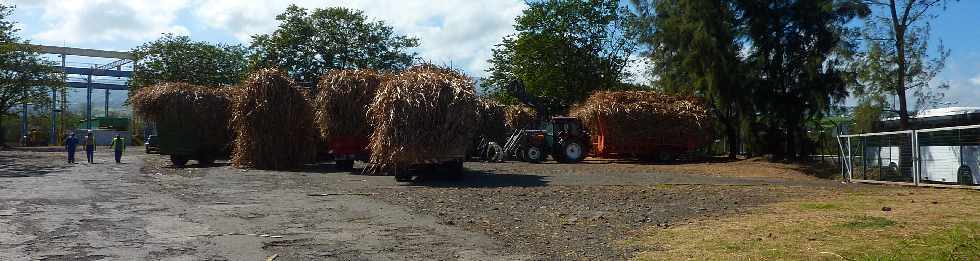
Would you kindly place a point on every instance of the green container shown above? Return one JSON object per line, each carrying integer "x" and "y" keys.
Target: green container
{"x": 184, "y": 142}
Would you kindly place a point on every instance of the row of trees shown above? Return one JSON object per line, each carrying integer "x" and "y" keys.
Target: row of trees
{"x": 306, "y": 44}
{"x": 768, "y": 68}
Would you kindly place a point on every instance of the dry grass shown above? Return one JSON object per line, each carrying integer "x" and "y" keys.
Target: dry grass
{"x": 848, "y": 224}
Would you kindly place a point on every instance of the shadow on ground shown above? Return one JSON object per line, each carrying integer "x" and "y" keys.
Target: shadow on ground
{"x": 481, "y": 179}
{"x": 26, "y": 165}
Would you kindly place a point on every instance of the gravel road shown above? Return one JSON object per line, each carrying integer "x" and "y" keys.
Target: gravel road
{"x": 145, "y": 209}
{"x": 52, "y": 211}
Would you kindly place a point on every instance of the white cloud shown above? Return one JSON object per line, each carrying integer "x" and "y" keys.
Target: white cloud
{"x": 78, "y": 22}
{"x": 975, "y": 80}
{"x": 460, "y": 33}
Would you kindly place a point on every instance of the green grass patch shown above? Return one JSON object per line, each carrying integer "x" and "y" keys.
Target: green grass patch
{"x": 868, "y": 222}
{"x": 664, "y": 186}
{"x": 961, "y": 242}
{"x": 818, "y": 206}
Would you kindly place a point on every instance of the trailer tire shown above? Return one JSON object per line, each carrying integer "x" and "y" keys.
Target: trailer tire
{"x": 665, "y": 156}
{"x": 206, "y": 161}
{"x": 344, "y": 165}
{"x": 534, "y": 155}
{"x": 178, "y": 161}
{"x": 964, "y": 176}
{"x": 454, "y": 170}
{"x": 570, "y": 151}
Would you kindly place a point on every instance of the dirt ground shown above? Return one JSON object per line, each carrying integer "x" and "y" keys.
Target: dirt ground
{"x": 144, "y": 209}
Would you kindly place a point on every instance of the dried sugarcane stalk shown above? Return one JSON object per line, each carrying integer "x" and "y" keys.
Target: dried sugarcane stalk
{"x": 273, "y": 123}
{"x": 422, "y": 113}
{"x": 629, "y": 116}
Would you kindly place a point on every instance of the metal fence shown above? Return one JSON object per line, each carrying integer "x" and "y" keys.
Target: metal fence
{"x": 928, "y": 157}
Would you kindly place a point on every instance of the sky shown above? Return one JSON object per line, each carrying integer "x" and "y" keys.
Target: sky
{"x": 454, "y": 32}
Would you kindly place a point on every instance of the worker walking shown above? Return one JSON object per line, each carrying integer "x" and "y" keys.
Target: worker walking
{"x": 89, "y": 143}
{"x": 118, "y": 146}
{"x": 70, "y": 145}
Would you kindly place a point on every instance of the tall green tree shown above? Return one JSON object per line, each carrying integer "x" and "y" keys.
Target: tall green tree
{"x": 694, "y": 47}
{"x": 308, "y": 43}
{"x": 565, "y": 50}
{"x": 179, "y": 59}
{"x": 25, "y": 77}
{"x": 798, "y": 64}
{"x": 897, "y": 58}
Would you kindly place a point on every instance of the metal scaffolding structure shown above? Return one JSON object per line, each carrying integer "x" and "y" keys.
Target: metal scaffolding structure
{"x": 113, "y": 69}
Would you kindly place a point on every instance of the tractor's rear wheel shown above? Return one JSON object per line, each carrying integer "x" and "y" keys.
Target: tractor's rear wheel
{"x": 964, "y": 176}
{"x": 571, "y": 151}
{"x": 179, "y": 161}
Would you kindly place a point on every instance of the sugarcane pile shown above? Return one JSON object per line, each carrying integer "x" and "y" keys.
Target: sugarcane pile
{"x": 202, "y": 110}
{"x": 492, "y": 121}
{"x": 342, "y": 101}
{"x": 519, "y": 117}
{"x": 273, "y": 123}
{"x": 631, "y": 116}
{"x": 421, "y": 114}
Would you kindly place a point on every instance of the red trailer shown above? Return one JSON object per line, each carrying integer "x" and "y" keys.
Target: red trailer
{"x": 666, "y": 146}
{"x": 346, "y": 149}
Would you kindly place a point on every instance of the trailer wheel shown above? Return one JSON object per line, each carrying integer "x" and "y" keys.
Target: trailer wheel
{"x": 206, "y": 161}
{"x": 964, "y": 176}
{"x": 533, "y": 155}
{"x": 665, "y": 156}
{"x": 571, "y": 151}
{"x": 344, "y": 165}
{"x": 178, "y": 161}
{"x": 453, "y": 170}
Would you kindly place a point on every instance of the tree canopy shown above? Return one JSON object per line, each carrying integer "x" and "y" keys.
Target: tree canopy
{"x": 768, "y": 67}
{"x": 564, "y": 50}
{"x": 308, "y": 43}
{"x": 25, "y": 77}
{"x": 897, "y": 57}
{"x": 180, "y": 59}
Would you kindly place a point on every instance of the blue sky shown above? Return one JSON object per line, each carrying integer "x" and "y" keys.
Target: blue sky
{"x": 460, "y": 33}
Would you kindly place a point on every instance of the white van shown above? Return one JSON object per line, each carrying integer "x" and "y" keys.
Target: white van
{"x": 950, "y": 164}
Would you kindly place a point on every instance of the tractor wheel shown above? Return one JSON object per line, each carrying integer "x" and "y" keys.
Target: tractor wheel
{"x": 344, "y": 165}
{"x": 570, "y": 151}
{"x": 533, "y": 155}
{"x": 964, "y": 176}
{"x": 206, "y": 161}
{"x": 665, "y": 156}
{"x": 453, "y": 170}
{"x": 178, "y": 161}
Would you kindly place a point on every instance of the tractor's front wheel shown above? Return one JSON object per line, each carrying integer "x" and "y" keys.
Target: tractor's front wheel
{"x": 571, "y": 152}
{"x": 533, "y": 155}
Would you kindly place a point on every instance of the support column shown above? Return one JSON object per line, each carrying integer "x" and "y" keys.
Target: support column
{"x": 53, "y": 135}
{"x": 107, "y": 103}
{"x": 23, "y": 123}
{"x": 88, "y": 101}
